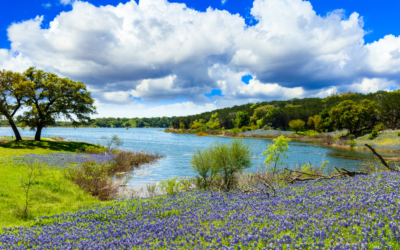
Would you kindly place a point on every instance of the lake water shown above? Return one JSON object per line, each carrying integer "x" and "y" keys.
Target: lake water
{"x": 178, "y": 148}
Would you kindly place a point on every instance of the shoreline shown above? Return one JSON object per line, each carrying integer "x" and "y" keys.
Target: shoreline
{"x": 297, "y": 138}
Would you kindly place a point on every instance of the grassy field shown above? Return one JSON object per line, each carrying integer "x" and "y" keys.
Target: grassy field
{"x": 50, "y": 192}
{"x": 385, "y": 141}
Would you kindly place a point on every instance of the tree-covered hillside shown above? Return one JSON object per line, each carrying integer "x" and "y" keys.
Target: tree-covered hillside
{"x": 278, "y": 114}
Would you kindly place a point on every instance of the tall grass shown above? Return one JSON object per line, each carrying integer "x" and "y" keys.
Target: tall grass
{"x": 98, "y": 178}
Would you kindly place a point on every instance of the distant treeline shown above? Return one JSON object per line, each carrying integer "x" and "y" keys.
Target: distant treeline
{"x": 154, "y": 122}
{"x": 278, "y": 114}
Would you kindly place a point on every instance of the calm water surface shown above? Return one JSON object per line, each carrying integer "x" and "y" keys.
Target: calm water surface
{"x": 178, "y": 149}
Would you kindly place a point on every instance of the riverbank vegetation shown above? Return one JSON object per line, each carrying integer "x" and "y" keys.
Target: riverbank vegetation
{"x": 338, "y": 120}
{"x": 111, "y": 122}
{"x": 41, "y": 178}
{"x": 355, "y": 112}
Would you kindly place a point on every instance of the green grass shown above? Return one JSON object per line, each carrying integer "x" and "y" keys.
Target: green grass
{"x": 40, "y": 147}
{"x": 51, "y": 193}
{"x": 385, "y": 141}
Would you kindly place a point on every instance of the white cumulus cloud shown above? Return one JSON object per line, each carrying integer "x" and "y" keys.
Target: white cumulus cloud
{"x": 156, "y": 50}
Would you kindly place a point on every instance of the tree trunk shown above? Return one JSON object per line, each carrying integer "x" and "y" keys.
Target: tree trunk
{"x": 38, "y": 133}
{"x": 15, "y": 129}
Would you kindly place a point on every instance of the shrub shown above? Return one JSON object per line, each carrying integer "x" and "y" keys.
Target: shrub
{"x": 373, "y": 134}
{"x": 202, "y": 164}
{"x": 296, "y": 125}
{"x": 125, "y": 161}
{"x": 92, "y": 177}
{"x": 221, "y": 161}
{"x": 276, "y": 152}
{"x": 201, "y": 133}
{"x": 328, "y": 139}
{"x": 398, "y": 133}
{"x": 171, "y": 186}
{"x": 352, "y": 137}
{"x": 352, "y": 144}
{"x": 234, "y": 131}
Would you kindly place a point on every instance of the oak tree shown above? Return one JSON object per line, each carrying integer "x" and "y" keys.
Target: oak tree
{"x": 51, "y": 97}
{"x": 355, "y": 116}
{"x": 13, "y": 92}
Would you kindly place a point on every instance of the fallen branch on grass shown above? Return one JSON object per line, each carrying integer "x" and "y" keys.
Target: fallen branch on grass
{"x": 318, "y": 177}
{"x": 382, "y": 160}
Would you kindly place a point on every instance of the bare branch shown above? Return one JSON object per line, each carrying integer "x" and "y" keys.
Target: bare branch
{"x": 381, "y": 159}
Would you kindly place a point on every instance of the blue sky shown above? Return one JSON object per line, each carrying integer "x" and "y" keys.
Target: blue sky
{"x": 154, "y": 58}
{"x": 380, "y": 17}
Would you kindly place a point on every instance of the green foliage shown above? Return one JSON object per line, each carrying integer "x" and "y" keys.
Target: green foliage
{"x": 352, "y": 137}
{"x": 13, "y": 86}
{"x": 213, "y": 123}
{"x": 315, "y": 122}
{"x": 389, "y": 107}
{"x": 202, "y": 163}
{"x": 296, "y": 125}
{"x": 373, "y": 134}
{"x": 199, "y": 125}
{"x": 308, "y": 168}
{"x": 171, "y": 186}
{"x": 352, "y": 144}
{"x": 398, "y": 133}
{"x": 230, "y": 159}
{"x": 154, "y": 122}
{"x": 355, "y": 116}
{"x": 93, "y": 178}
{"x": 324, "y": 114}
{"x": 282, "y": 112}
{"x": 379, "y": 126}
{"x": 259, "y": 114}
{"x": 276, "y": 152}
{"x": 223, "y": 160}
{"x": 242, "y": 119}
{"x": 182, "y": 125}
{"x": 254, "y": 105}
{"x": 49, "y": 97}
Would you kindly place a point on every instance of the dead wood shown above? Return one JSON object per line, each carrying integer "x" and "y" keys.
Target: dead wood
{"x": 381, "y": 159}
{"x": 318, "y": 177}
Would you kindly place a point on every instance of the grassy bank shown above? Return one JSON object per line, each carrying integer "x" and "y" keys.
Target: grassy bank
{"x": 50, "y": 193}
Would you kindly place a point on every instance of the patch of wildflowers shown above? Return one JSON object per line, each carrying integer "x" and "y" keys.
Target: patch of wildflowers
{"x": 362, "y": 212}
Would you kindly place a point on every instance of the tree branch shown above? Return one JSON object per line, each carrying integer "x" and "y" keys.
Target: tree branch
{"x": 381, "y": 159}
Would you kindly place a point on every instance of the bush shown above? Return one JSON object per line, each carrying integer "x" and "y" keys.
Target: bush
{"x": 93, "y": 178}
{"x": 276, "y": 152}
{"x": 202, "y": 164}
{"x": 221, "y": 161}
{"x": 398, "y": 133}
{"x": 171, "y": 186}
{"x": 297, "y": 125}
{"x": 373, "y": 134}
{"x": 352, "y": 137}
{"x": 201, "y": 133}
{"x": 352, "y": 144}
{"x": 125, "y": 161}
